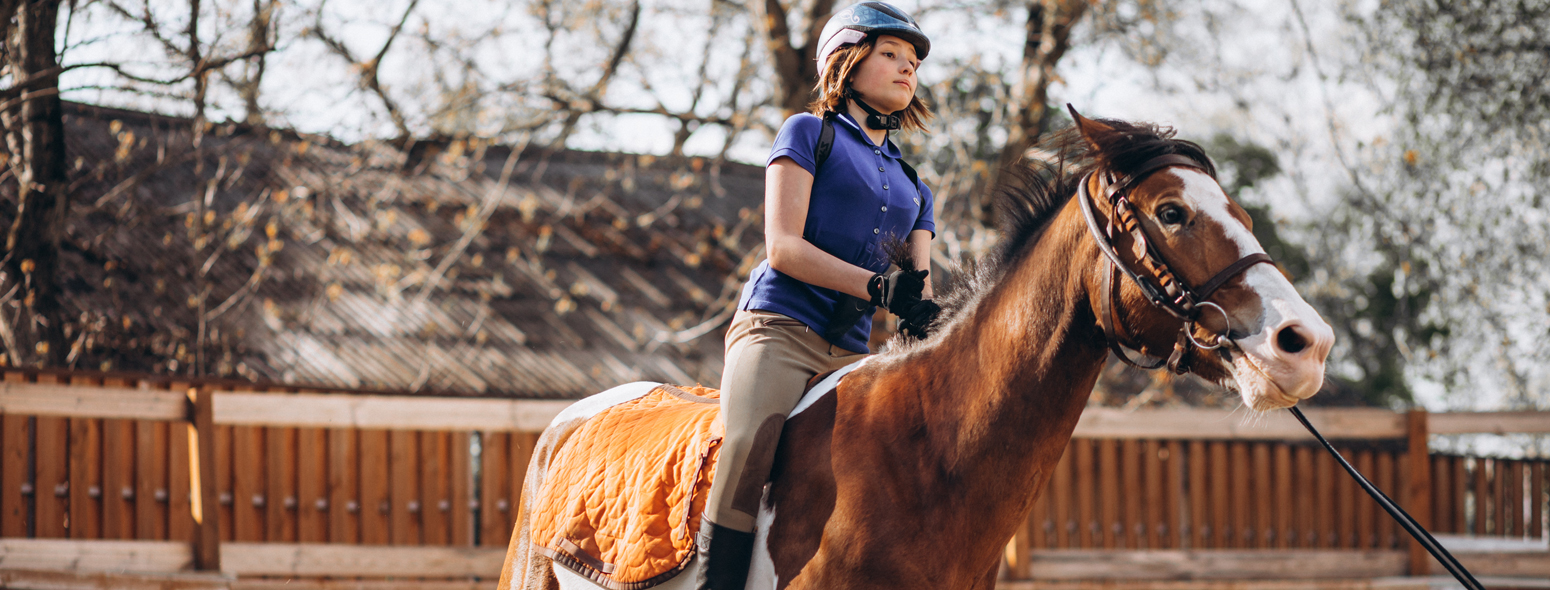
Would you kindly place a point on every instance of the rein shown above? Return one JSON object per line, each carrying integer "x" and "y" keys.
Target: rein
{"x": 1403, "y": 518}
{"x": 1169, "y": 293}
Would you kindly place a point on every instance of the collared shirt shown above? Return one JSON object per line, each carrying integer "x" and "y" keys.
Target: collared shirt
{"x": 860, "y": 198}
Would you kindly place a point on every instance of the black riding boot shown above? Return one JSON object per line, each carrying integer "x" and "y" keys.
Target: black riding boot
{"x": 723, "y": 557}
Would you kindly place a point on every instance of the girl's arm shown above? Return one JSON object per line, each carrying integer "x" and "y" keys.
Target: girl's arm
{"x": 920, "y": 253}
{"x": 787, "y": 189}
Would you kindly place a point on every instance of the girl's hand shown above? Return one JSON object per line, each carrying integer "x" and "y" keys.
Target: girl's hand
{"x": 898, "y": 291}
{"x": 917, "y": 322}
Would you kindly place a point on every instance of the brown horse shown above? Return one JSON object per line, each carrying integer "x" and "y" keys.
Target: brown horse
{"x": 914, "y": 470}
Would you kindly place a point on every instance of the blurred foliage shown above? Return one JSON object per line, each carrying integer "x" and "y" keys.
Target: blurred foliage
{"x": 1435, "y": 264}
{"x": 1366, "y": 312}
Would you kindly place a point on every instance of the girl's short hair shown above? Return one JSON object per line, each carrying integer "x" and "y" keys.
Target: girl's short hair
{"x": 833, "y": 80}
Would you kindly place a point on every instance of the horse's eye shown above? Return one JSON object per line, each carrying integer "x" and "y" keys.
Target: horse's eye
{"x": 1170, "y": 214}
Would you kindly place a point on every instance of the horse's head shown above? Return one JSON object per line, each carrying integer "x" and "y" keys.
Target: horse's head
{"x": 1200, "y": 291}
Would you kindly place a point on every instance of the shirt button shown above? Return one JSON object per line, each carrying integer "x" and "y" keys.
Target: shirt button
{"x": 876, "y": 152}
{"x": 875, "y": 230}
{"x": 917, "y": 200}
{"x": 885, "y": 187}
{"x": 879, "y": 168}
{"x": 885, "y": 207}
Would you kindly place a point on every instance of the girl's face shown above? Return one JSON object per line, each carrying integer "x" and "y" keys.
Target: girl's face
{"x": 886, "y": 77}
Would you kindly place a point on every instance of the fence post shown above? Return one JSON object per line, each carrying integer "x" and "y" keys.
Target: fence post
{"x": 1419, "y": 496}
{"x": 201, "y": 480}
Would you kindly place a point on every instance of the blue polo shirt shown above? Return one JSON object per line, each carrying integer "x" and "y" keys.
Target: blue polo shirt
{"x": 860, "y": 198}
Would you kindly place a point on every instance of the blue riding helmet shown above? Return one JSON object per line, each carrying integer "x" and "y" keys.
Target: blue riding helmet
{"x": 855, "y": 23}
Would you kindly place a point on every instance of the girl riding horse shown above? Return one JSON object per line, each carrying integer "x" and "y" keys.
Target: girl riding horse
{"x": 914, "y": 468}
{"x": 835, "y": 190}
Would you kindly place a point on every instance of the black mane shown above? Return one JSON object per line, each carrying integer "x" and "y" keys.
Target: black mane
{"x": 1033, "y": 193}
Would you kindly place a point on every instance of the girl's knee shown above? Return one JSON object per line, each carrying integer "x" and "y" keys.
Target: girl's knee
{"x": 754, "y": 433}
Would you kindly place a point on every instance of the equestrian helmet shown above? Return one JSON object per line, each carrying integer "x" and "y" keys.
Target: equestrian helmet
{"x": 855, "y": 23}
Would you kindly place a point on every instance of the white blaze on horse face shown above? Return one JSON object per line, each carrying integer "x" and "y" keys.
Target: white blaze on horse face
{"x": 1283, "y": 356}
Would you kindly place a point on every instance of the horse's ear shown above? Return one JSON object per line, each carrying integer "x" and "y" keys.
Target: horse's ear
{"x": 1089, "y": 128}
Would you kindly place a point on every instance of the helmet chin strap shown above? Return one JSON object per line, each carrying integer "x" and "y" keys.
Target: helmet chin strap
{"x": 875, "y": 118}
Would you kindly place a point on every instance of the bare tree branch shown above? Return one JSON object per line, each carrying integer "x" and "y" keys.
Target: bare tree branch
{"x": 475, "y": 225}
{"x": 685, "y": 128}
{"x": 740, "y": 119}
{"x": 591, "y": 102}
{"x": 199, "y": 62}
{"x": 148, "y": 21}
{"x": 13, "y": 103}
{"x": 368, "y": 70}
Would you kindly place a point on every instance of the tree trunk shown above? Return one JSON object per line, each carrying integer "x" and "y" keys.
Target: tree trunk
{"x": 1048, "y": 37}
{"x": 35, "y": 137}
{"x": 796, "y": 68}
{"x": 258, "y": 46}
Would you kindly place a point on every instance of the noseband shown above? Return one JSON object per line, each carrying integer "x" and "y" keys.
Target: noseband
{"x": 1169, "y": 293}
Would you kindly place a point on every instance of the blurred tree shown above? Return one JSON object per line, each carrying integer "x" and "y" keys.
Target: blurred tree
{"x": 1438, "y": 254}
{"x": 796, "y": 66}
{"x": 197, "y": 43}
{"x": 989, "y": 116}
{"x": 1366, "y": 313}
{"x": 195, "y": 54}
{"x": 1047, "y": 37}
{"x": 261, "y": 42}
{"x": 35, "y": 158}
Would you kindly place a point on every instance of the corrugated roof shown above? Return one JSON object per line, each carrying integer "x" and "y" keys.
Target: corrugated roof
{"x": 578, "y": 279}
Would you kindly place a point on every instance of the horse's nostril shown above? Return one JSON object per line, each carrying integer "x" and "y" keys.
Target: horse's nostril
{"x": 1291, "y": 341}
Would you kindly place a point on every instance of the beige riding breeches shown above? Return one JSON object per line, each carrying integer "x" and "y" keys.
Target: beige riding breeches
{"x": 769, "y": 359}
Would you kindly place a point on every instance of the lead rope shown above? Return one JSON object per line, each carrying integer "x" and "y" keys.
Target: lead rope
{"x": 1411, "y": 526}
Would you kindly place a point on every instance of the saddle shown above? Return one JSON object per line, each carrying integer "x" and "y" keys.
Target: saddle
{"x": 622, "y": 501}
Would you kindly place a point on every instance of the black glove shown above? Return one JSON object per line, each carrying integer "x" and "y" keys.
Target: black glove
{"x": 898, "y": 291}
{"x": 916, "y": 323}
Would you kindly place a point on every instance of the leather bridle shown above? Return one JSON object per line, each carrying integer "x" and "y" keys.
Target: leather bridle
{"x": 1169, "y": 293}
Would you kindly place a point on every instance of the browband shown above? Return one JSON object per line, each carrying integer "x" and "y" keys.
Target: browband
{"x": 1148, "y": 167}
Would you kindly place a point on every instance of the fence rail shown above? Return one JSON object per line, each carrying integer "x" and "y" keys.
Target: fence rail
{"x": 1170, "y": 494}
{"x": 100, "y": 457}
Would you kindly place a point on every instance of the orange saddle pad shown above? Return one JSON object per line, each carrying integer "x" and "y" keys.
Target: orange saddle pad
{"x": 621, "y": 502}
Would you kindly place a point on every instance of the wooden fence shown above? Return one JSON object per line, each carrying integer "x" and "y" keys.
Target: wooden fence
{"x": 1172, "y": 494}
{"x": 326, "y": 484}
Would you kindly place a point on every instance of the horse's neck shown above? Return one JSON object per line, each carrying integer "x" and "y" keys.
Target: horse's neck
{"x": 1017, "y": 371}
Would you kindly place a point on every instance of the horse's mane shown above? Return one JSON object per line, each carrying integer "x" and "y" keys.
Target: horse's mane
{"x": 1032, "y": 193}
